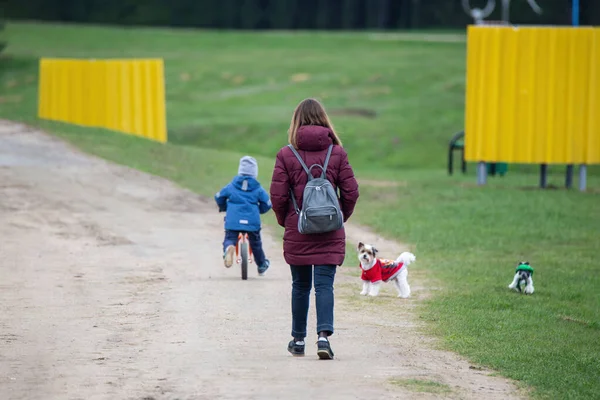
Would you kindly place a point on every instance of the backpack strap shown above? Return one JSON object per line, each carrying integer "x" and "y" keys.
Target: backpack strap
{"x": 329, "y": 150}
{"x": 307, "y": 172}
{"x": 306, "y": 169}
{"x": 323, "y": 167}
{"x": 294, "y": 202}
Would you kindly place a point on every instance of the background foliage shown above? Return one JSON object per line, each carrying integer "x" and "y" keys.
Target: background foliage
{"x": 289, "y": 14}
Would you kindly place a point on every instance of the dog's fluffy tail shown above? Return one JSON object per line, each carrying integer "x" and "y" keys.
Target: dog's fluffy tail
{"x": 406, "y": 258}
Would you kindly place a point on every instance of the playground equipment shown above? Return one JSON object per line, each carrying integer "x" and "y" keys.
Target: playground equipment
{"x": 457, "y": 143}
{"x": 479, "y": 14}
{"x": 123, "y": 95}
{"x": 532, "y": 97}
{"x": 567, "y": 81}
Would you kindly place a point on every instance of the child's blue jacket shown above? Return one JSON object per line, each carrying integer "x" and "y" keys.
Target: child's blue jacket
{"x": 244, "y": 199}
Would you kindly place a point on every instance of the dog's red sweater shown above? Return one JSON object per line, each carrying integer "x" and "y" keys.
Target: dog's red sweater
{"x": 383, "y": 270}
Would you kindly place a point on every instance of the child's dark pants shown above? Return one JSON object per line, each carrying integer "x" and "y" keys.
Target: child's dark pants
{"x": 231, "y": 238}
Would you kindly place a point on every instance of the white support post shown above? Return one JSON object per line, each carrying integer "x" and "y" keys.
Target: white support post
{"x": 582, "y": 177}
{"x": 481, "y": 173}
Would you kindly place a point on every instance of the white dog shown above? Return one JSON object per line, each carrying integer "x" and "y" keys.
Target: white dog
{"x": 376, "y": 270}
{"x": 523, "y": 277}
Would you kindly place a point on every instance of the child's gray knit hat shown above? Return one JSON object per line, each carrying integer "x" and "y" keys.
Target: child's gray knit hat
{"x": 248, "y": 167}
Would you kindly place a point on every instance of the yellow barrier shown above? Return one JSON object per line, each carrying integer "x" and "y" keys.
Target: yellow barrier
{"x": 123, "y": 95}
{"x": 533, "y": 95}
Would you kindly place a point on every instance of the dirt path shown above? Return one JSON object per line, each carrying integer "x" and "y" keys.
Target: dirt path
{"x": 112, "y": 287}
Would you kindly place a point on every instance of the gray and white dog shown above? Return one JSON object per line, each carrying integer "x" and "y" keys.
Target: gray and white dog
{"x": 523, "y": 277}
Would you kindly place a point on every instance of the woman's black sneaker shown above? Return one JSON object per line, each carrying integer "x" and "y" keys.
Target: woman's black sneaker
{"x": 324, "y": 350}
{"x": 296, "y": 349}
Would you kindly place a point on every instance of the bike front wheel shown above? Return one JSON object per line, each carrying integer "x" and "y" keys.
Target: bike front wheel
{"x": 244, "y": 254}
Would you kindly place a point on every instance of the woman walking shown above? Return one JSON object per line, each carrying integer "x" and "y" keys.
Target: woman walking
{"x": 311, "y": 134}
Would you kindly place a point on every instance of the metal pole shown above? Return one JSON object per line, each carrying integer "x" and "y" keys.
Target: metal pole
{"x": 569, "y": 177}
{"x": 481, "y": 173}
{"x": 543, "y": 175}
{"x": 575, "y": 22}
{"x": 506, "y": 11}
{"x": 582, "y": 177}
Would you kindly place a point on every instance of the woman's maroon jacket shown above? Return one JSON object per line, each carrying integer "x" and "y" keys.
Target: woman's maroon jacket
{"x": 316, "y": 249}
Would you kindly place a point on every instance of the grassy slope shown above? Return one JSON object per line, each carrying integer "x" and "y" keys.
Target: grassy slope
{"x": 235, "y": 92}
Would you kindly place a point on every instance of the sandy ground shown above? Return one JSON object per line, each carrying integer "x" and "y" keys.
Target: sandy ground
{"x": 112, "y": 287}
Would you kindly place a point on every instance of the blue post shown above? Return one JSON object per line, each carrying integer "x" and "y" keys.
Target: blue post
{"x": 575, "y": 13}
{"x": 582, "y": 177}
{"x": 481, "y": 173}
{"x": 575, "y": 22}
{"x": 569, "y": 179}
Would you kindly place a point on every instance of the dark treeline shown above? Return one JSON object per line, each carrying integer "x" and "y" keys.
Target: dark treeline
{"x": 290, "y": 14}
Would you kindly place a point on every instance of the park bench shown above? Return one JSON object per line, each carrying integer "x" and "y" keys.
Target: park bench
{"x": 457, "y": 143}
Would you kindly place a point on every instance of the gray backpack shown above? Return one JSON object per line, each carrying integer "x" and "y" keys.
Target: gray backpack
{"x": 320, "y": 205}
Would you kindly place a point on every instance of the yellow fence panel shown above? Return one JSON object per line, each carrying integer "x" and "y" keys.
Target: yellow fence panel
{"x": 123, "y": 95}
{"x": 533, "y": 95}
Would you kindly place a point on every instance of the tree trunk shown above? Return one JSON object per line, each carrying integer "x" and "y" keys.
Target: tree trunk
{"x": 350, "y": 9}
{"x": 415, "y": 14}
{"x": 384, "y": 10}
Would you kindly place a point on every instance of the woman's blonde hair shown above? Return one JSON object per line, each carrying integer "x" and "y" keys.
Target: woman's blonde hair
{"x": 310, "y": 112}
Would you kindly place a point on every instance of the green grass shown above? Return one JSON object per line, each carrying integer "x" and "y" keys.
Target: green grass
{"x": 422, "y": 386}
{"x": 230, "y": 94}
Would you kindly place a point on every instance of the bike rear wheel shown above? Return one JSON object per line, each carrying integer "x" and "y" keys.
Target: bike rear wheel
{"x": 244, "y": 254}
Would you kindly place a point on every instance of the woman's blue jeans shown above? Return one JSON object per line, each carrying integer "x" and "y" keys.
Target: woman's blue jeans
{"x": 302, "y": 280}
